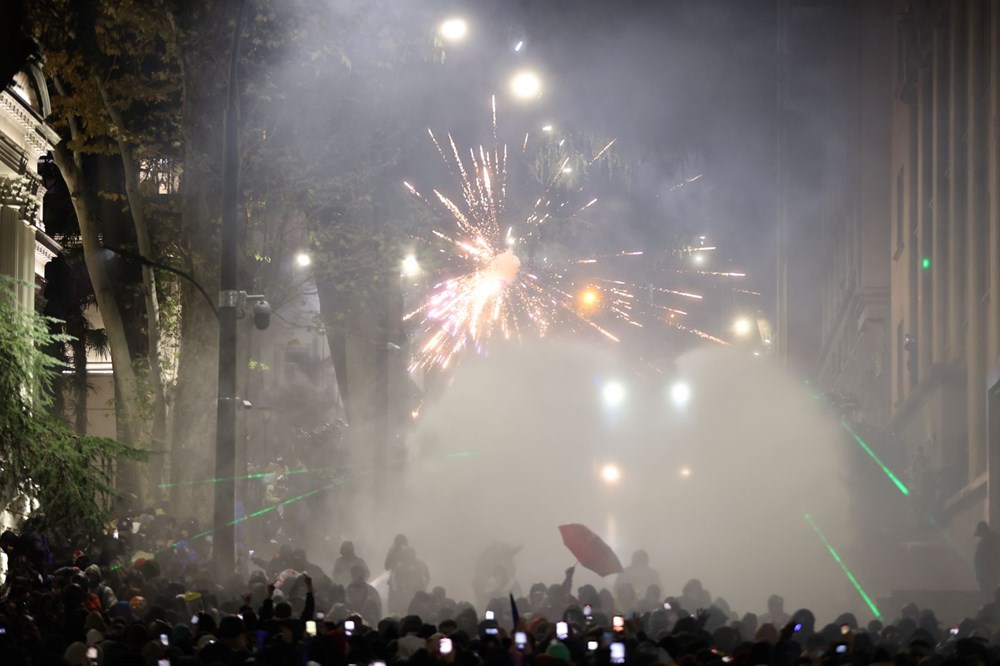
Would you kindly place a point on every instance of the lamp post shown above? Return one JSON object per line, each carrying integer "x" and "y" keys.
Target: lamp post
{"x": 526, "y": 85}
{"x": 223, "y": 534}
{"x": 453, "y": 29}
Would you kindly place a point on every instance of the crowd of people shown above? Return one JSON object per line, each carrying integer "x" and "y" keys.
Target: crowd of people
{"x": 145, "y": 595}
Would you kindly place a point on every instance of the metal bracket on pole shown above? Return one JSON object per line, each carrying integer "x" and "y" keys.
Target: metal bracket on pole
{"x": 231, "y": 298}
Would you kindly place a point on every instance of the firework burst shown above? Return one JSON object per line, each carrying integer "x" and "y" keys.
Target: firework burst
{"x": 487, "y": 293}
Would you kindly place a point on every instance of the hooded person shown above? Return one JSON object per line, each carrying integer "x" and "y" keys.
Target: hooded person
{"x": 638, "y": 574}
{"x": 99, "y": 588}
{"x": 775, "y": 614}
{"x": 494, "y": 573}
{"x": 409, "y": 576}
{"x": 363, "y": 598}
{"x": 343, "y": 567}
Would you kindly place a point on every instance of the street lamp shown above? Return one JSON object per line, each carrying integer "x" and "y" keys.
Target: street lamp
{"x": 303, "y": 260}
{"x": 411, "y": 267}
{"x": 611, "y": 474}
{"x": 680, "y": 394}
{"x": 526, "y": 85}
{"x": 613, "y": 394}
{"x": 453, "y": 29}
{"x": 742, "y": 327}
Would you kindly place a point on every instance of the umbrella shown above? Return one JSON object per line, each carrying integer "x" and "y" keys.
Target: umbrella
{"x": 590, "y": 549}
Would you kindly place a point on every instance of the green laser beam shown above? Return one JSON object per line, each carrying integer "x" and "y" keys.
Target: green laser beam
{"x": 255, "y": 514}
{"x": 888, "y": 472}
{"x": 286, "y": 502}
{"x": 267, "y": 509}
{"x": 303, "y": 470}
{"x": 256, "y": 475}
{"x": 847, "y": 572}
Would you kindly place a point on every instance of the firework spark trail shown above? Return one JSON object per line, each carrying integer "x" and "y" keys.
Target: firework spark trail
{"x": 487, "y": 297}
{"x": 695, "y": 331}
{"x": 687, "y": 181}
{"x": 603, "y": 151}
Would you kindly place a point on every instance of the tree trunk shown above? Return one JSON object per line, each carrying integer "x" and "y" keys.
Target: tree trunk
{"x": 121, "y": 358}
{"x": 144, "y": 241}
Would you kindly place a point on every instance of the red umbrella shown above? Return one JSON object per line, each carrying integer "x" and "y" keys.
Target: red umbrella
{"x": 590, "y": 549}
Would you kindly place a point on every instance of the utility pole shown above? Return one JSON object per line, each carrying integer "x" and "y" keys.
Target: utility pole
{"x": 223, "y": 540}
{"x": 381, "y": 428}
{"x": 781, "y": 190}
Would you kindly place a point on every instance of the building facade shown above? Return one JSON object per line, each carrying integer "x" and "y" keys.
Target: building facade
{"x": 24, "y": 139}
{"x": 945, "y": 270}
{"x": 911, "y": 297}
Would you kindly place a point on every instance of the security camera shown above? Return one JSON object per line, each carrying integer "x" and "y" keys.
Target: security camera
{"x": 262, "y": 315}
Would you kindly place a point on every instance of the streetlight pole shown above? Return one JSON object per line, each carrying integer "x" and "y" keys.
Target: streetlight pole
{"x": 223, "y": 541}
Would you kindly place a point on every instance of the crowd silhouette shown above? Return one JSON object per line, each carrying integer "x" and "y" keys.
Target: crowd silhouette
{"x": 144, "y": 594}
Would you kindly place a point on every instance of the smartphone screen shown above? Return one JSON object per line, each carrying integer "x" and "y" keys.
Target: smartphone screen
{"x": 617, "y": 653}
{"x": 841, "y": 649}
{"x": 618, "y": 622}
{"x": 310, "y": 627}
{"x": 592, "y": 646}
{"x": 91, "y": 652}
{"x": 490, "y": 615}
{"x": 562, "y": 630}
{"x": 164, "y": 639}
{"x": 348, "y": 627}
{"x": 520, "y": 639}
{"x": 194, "y": 619}
{"x": 320, "y": 616}
{"x": 445, "y": 646}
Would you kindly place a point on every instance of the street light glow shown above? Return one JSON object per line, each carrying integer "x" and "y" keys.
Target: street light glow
{"x": 742, "y": 327}
{"x": 685, "y": 472}
{"x": 680, "y": 394}
{"x": 453, "y": 29}
{"x": 303, "y": 259}
{"x": 610, "y": 473}
{"x": 410, "y": 266}
{"x": 698, "y": 257}
{"x": 613, "y": 394}
{"x": 526, "y": 85}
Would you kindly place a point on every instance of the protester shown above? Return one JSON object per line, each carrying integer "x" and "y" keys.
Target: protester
{"x": 101, "y": 605}
{"x": 343, "y": 568}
